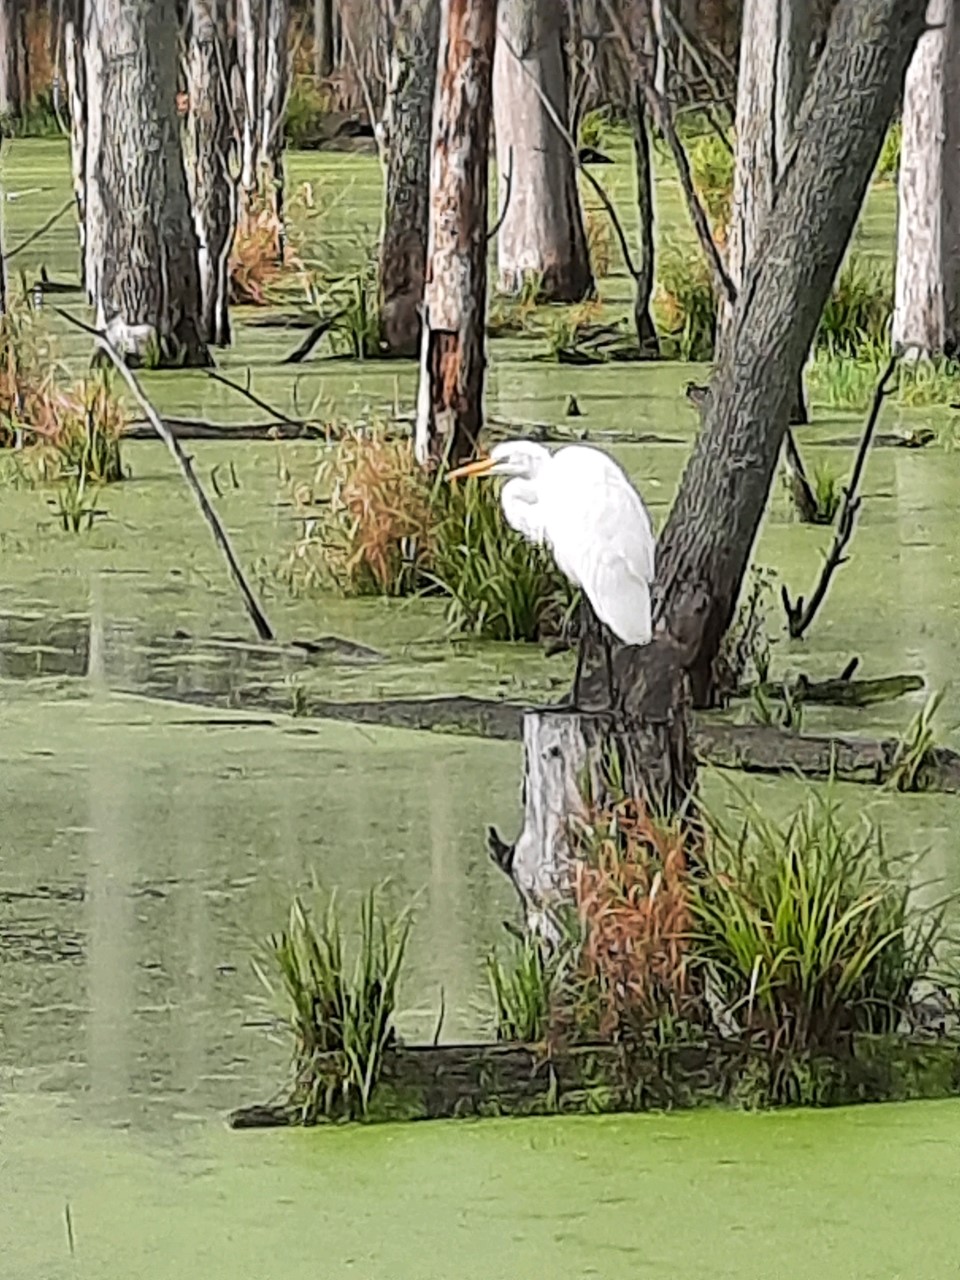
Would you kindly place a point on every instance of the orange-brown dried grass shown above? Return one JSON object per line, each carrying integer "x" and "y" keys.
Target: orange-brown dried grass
{"x": 256, "y": 261}
{"x": 599, "y": 242}
{"x": 632, "y": 893}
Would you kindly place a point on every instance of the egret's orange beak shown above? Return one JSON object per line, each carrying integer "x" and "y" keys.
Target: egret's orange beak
{"x": 481, "y": 467}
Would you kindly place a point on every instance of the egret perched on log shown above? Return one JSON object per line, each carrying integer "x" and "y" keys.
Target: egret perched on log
{"x": 579, "y": 503}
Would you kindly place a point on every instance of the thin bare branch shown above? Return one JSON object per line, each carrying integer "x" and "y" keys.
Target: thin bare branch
{"x": 800, "y": 614}
{"x": 42, "y": 230}
{"x": 364, "y": 86}
{"x": 508, "y": 180}
{"x": 247, "y": 394}
{"x": 185, "y": 463}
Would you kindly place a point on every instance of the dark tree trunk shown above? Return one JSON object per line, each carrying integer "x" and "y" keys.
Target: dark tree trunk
{"x": 706, "y": 545}
{"x": 323, "y": 61}
{"x": 11, "y": 102}
{"x": 646, "y": 267}
{"x": 450, "y": 400}
{"x": 145, "y": 278}
{"x": 209, "y": 147}
{"x": 409, "y": 118}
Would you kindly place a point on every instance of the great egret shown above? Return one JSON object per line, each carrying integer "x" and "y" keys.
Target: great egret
{"x": 580, "y": 504}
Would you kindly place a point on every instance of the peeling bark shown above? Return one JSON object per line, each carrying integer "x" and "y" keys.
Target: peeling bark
{"x": 926, "y": 315}
{"x": 542, "y": 235}
{"x": 143, "y": 255}
{"x": 209, "y": 147}
{"x": 706, "y": 545}
{"x": 450, "y": 399}
{"x": 409, "y": 117}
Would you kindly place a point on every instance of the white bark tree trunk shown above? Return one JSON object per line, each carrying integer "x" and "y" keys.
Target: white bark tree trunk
{"x": 409, "y": 117}
{"x": 77, "y": 104}
{"x": 774, "y": 70}
{"x": 926, "y": 316}
{"x": 450, "y": 399}
{"x": 91, "y": 80}
{"x": 542, "y": 234}
{"x": 209, "y": 151}
{"x": 144, "y": 267}
{"x": 263, "y": 38}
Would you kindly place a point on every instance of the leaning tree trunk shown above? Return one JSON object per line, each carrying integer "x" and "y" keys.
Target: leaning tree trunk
{"x": 409, "y": 117}
{"x": 706, "y": 545}
{"x": 926, "y": 314}
{"x": 209, "y": 147}
{"x": 145, "y": 280}
{"x": 450, "y": 397}
{"x": 774, "y": 67}
{"x": 646, "y": 330}
{"x": 541, "y": 234}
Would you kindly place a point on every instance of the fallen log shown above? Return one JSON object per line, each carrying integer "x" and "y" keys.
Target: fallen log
{"x": 841, "y": 692}
{"x": 439, "y": 1082}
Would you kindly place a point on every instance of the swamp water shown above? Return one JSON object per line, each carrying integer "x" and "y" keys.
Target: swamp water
{"x": 147, "y": 847}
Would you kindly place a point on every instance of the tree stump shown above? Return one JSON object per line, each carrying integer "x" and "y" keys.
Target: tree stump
{"x": 576, "y": 760}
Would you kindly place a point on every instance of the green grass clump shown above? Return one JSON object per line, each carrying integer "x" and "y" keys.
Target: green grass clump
{"x": 595, "y": 128}
{"x": 858, "y": 311}
{"x": 888, "y": 166}
{"x": 496, "y": 584}
{"x": 914, "y": 749}
{"x": 685, "y": 307}
{"x": 827, "y": 487}
{"x": 339, "y": 1015}
{"x": 805, "y": 930}
{"x": 711, "y": 167}
{"x": 306, "y": 106}
{"x": 523, "y": 991}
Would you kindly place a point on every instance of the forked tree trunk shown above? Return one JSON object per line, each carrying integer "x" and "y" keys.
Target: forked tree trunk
{"x": 926, "y": 314}
{"x": 774, "y": 71}
{"x": 409, "y": 117}
{"x": 541, "y": 235}
{"x": 706, "y": 545}
{"x": 209, "y": 148}
{"x": 646, "y": 330}
{"x": 145, "y": 277}
{"x": 450, "y": 397}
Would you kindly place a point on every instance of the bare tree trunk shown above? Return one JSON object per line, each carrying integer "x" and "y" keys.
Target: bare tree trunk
{"x": 263, "y": 38}
{"x": 209, "y": 147}
{"x": 3, "y": 264}
{"x": 323, "y": 37}
{"x": 926, "y": 314}
{"x": 774, "y": 66}
{"x": 542, "y": 235}
{"x": 91, "y": 82}
{"x": 146, "y": 287}
{"x": 11, "y": 102}
{"x": 646, "y": 267}
{"x": 409, "y": 117}
{"x": 706, "y": 545}
{"x": 77, "y": 104}
{"x": 450, "y": 399}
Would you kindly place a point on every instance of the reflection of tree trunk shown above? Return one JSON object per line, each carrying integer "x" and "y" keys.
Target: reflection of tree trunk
{"x": 774, "y": 69}
{"x": 144, "y": 253}
{"x": 541, "y": 236}
{"x": 449, "y": 407}
{"x": 209, "y": 142}
{"x": 926, "y": 316}
{"x": 409, "y": 116}
{"x": 642, "y": 317}
{"x": 706, "y": 545}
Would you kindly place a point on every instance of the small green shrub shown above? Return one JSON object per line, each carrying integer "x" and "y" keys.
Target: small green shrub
{"x": 806, "y": 930}
{"x": 858, "y": 311}
{"x": 828, "y": 491}
{"x": 340, "y": 1018}
{"x": 523, "y": 991}
{"x": 306, "y": 105}
{"x": 711, "y": 167}
{"x": 595, "y": 128}
{"x": 685, "y": 305}
{"x": 497, "y": 585}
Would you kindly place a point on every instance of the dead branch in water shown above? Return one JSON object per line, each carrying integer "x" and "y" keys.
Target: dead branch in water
{"x": 800, "y": 614}
{"x": 185, "y": 463}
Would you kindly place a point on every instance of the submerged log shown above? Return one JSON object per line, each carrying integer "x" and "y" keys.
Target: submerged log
{"x": 840, "y": 692}
{"x": 439, "y": 1082}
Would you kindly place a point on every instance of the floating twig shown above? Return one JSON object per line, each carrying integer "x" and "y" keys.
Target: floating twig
{"x": 247, "y": 394}
{"x": 800, "y": 614}
{"x": 311, "y": 340}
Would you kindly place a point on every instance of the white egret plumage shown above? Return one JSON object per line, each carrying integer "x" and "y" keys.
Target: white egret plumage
{"x": 579, "y": 503}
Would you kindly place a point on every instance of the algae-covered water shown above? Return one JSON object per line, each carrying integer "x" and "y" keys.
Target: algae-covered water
{"x": 147, "y": 847}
